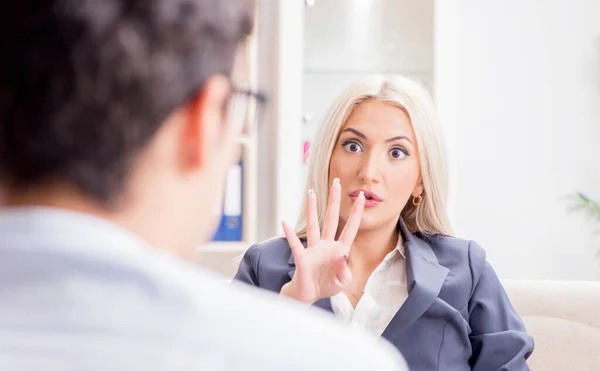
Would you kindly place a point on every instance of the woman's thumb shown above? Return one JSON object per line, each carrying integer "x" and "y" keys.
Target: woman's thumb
{"x": 342, "y": 272}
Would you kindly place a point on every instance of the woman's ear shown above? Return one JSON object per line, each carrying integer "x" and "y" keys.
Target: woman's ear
{"x": 418, "y": 190}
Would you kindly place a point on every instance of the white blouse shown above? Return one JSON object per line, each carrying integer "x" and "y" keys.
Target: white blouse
{"x": 384, "y": 294}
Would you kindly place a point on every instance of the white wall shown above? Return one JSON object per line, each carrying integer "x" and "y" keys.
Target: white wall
{"x": 348, "y": 39}
{"x": 518, "y": 88}
{"x": 280, "y": 67}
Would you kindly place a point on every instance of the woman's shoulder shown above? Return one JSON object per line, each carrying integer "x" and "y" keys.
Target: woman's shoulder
{"x": 266, "y": 264}
{"x": 467, "y": 265}
{"x": 455, "y": 252}
{"x": 275, "y": 250}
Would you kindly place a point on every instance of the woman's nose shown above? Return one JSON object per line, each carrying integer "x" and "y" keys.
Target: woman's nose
{"x": 369, "y": 170}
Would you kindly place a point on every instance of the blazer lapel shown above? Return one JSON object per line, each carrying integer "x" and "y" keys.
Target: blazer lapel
{"x": 324, "y": 303}
{"x": 424, "y": 277}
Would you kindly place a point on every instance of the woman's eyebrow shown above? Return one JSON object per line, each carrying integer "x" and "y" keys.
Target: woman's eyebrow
{"x": 358, "y": 133}
{"x": 355, "y": 132}
{"x": 398, "y": 138}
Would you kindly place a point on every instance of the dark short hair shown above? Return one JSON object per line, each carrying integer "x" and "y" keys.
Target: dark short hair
{"x": 85, "y": 84}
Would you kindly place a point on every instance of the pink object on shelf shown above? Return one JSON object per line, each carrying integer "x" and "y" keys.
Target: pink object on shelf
{"x": 305, "y": 151}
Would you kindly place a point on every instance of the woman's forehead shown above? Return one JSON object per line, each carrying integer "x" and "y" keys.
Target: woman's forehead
{"x": 377, "y": 117}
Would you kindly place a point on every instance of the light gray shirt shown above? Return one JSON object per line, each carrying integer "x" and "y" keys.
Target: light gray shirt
{"x": 80, "y": 293}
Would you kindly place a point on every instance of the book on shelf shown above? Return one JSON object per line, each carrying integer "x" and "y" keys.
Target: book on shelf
{"x": 231, "y": 208}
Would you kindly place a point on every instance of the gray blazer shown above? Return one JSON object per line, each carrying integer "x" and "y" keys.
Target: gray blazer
{"x": 457, "y": 315}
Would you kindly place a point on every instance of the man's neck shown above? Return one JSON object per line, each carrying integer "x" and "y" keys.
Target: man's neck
{"x": 55, "y": 195}
{"x": 134, "y": 215}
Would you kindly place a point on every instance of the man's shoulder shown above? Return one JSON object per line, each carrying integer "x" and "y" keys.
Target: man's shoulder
{"x": 260, "y": 328}
{"x": 162, "y": 304}
{"x": 243, "y": 327}
{"x": 285, "y": 335}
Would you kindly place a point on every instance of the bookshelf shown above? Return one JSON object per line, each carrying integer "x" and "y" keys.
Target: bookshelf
{"x": 249, "y": 207}
{"x": 271, "y": 60}
{"x": 222, "y": 256}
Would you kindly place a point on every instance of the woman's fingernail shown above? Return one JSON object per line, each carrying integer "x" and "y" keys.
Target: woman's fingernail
{"x": 311, "y": 191}
{"x": 336, "y": 180}
{"x": 362, "y": 193}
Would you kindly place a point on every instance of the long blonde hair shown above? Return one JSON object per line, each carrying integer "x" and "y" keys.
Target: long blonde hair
{"x": 430, "y": 215}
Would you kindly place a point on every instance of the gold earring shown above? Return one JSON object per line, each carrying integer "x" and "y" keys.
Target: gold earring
{"x": 417, "y": 200}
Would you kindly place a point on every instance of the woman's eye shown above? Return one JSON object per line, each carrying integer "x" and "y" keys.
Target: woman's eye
{"x": 352, "y": 147}
{"x": 398, "y": 153}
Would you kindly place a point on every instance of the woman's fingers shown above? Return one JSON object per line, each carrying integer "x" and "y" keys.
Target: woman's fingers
{"x": 332, "y": 215}
{"x": 313, "y": 233}
{"x": 351, "y": 228}
{"x": 293, "y": 240}
{"x": 343, "y": 276}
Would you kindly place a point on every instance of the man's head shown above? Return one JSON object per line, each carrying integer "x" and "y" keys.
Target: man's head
{"x": 117, "y": 107}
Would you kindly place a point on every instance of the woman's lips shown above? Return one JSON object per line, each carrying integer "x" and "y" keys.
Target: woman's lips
{"x": 371, "y": 198}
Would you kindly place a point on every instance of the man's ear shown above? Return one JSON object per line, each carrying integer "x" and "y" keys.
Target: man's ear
{"x": 204, "y": 127}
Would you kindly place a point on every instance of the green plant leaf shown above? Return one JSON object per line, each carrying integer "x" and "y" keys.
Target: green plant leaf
{"x": 583, "y": 204}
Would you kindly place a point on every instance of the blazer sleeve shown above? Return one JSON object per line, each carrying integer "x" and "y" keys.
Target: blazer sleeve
{"x": 248, "y": 269}
{"x": 498, "y": 337}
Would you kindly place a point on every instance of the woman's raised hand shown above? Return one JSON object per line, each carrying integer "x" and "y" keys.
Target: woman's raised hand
{"x": 321, "y": 268}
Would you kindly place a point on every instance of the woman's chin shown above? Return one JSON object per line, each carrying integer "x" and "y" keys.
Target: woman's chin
{"x": 372, "y": 222}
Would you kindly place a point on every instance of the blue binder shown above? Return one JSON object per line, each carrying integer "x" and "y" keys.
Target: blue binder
{"x": 230, "y": 225}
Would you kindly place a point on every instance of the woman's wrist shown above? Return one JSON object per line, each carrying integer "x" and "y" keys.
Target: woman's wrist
{"x": 289, "y": 290}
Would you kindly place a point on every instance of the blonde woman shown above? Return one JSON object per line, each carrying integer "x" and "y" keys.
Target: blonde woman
{"x": 374, "y": 246}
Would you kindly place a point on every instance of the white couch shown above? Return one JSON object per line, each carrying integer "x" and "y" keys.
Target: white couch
{"x": 564, "y": 319}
